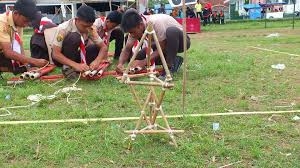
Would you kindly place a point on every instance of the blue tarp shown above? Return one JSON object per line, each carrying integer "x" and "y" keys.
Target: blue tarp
{"x": 252, "y": 6}
{"x": 254, "y": 10}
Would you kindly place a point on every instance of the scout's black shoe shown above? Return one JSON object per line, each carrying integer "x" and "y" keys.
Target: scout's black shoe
{"x": 69, "y": 72}
{"x": 19, "y": 70}
{"x": 176, "y": 65}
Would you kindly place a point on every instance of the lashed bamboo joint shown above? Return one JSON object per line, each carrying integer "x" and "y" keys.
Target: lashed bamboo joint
{"x": 152, "y": 101}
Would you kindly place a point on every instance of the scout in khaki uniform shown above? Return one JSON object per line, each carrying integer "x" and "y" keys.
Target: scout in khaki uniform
{"x": 12, "y": 58}
{"x": 77, "y": 45}
{"x": 38, "y": 46}
{"x": 169, "y": 33}
{"x": 108, "y": 29}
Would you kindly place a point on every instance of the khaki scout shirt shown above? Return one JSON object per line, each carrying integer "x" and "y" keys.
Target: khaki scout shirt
{"x": 7, "y": 28}
{"x": 68, "y": 27}
{"x": 161, "y": 22}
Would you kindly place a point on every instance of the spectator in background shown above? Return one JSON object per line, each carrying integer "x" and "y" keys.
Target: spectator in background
{"x": 263, "y": 12}
{"x": 208, "y": 6}
{"x": 161, "y": 9}
{"x": 151, "y": 11}
{"x": 148, "y": 12}
{"x": 215, "y": 17}
{"x": 198, "y": 7}
{"x": 175, "y": 12}
{"x": 121, "y": 9}
{"x": 205, "y": 16}
{"x": 221, "y": 17}
{"x": 190, "y": 13}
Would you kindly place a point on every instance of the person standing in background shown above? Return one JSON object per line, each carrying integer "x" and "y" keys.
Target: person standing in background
{"x": 161, "y": 9}
{"x": 198, "y": 7}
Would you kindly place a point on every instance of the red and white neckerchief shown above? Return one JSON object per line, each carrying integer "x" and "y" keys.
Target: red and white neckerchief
{"x": 16, "y": 45}
{"x": 43, "y": 22}
{"x": 105, "y": 34}
{"x": 82, "y": 50}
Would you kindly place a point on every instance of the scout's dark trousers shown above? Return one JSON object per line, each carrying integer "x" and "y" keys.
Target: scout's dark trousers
{"x": 174, "y": 45}
{"x": 38, "y": 47}
{"x": 70, "y": 48}
{"x": 6, "y": 65}
{"x": 117, "y": 35}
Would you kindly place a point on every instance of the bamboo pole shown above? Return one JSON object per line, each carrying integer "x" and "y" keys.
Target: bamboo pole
{"x": 184, "y": 58}
{"x": 157, "y": 79}
{"x": 137, "y": 99}
{"x": 168, "y": 126}
{"x": 158, "y": 104}
{"x": 151, "y": 105}
{"x": 149, "y": 47}
{"x": 86, "y": 120}
{"x": 136, "y": 75}
{"x": 165, "y": 85}
{"x": 143, "y": 115}
{"x": 153, "y": 131}
{"x": 159, "y": 108}
{"x": 162, "y": 58}
{"x": 133, "y": 57}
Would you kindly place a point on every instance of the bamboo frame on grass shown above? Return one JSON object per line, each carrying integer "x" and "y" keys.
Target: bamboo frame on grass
{"x": 154, "y": 103}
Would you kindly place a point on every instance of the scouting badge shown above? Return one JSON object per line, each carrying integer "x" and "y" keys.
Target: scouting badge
{"x": 59, "y": 37}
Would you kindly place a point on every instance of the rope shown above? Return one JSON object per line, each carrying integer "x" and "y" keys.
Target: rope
{"x": 42, "y": 67}
{"x": 36, "y": 98}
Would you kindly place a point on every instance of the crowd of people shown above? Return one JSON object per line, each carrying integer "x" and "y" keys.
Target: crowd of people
{"x": 81, "y": 43}
{"x": 203, "y": 12}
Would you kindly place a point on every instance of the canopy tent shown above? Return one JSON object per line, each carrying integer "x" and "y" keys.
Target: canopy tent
{"x": 251, "y": 6}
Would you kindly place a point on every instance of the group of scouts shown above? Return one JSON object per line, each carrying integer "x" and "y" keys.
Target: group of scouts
{"x": 81, "y": 43}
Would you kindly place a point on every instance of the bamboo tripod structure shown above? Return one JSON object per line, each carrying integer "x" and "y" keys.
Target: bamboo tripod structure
{"x": 153, "y": 101}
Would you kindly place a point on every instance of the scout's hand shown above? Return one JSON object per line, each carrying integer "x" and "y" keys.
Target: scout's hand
{"x": 81, "y": 67}
{"x": 94, "y": 65}
{"x": 120, "y": 68}
{"x": 92, "y": 32}
{"x": 40, "y": 62}
{"x": 139, "y": 63}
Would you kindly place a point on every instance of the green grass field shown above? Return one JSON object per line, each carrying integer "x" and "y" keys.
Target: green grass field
{"x": 224, "y": 74}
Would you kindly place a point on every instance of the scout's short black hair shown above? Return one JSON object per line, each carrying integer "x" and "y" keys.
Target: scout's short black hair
{"x": 86, "y": 13}
{"x": 35, "y": 23}
{"x": 130, "y": 19}
{"x": 115, "y": 17}
{"x": 26, "y": 8}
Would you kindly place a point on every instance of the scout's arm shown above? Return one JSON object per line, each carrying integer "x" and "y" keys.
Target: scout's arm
{"x": 9, "y": 53}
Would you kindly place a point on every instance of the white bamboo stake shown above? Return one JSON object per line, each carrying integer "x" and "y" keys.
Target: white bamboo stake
{"x": 136, "y": 118}
{"x": 184, "y": 58}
